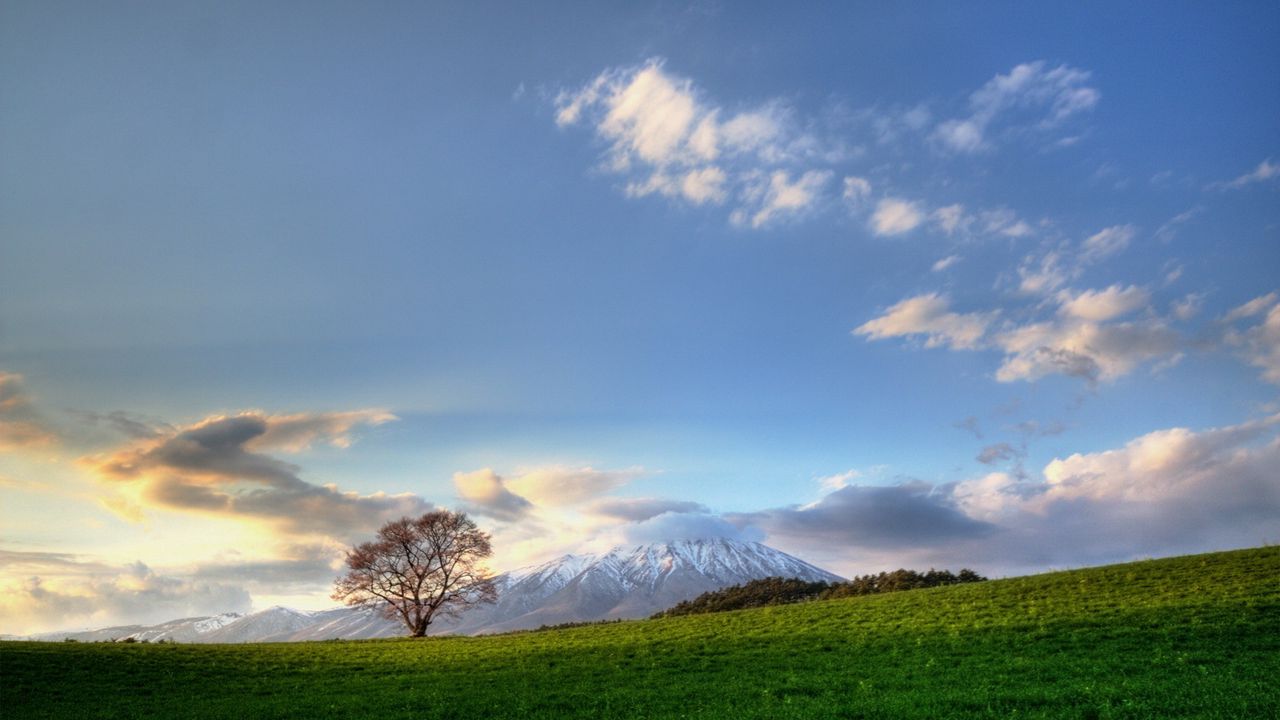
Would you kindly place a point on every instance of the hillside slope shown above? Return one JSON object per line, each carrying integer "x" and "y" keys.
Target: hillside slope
{"x": 1195, "y": 636}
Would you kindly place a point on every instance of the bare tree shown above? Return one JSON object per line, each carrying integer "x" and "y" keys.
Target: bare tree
{"x": 418, "y": 570}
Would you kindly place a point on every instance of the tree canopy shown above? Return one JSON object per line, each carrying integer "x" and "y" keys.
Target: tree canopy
{"x": 417, "y": 570}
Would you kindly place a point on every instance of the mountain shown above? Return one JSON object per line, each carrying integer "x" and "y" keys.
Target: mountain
{"x": 276, "y": 623}
{"x": 625, "y": 582}
{"x": 185, "y": 630}
{"x": 345, "y": 623}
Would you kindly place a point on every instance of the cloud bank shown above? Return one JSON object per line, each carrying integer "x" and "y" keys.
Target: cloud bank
{"x": 1167, "y": 492}
{"x": 220, "y": 466}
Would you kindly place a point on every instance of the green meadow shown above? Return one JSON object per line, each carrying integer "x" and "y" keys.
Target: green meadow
{"x": 1195, "y": 636}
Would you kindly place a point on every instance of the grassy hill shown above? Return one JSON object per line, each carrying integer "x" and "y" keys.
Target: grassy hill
{"x": 1194, "y": 636}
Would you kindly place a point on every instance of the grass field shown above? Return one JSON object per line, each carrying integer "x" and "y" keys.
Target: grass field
{"x": 1194, "y": 636}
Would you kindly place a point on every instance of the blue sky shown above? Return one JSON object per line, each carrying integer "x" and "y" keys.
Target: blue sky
{"x": 1001, "y": 273}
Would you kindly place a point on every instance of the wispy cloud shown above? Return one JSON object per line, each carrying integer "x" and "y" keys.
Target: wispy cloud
{"x": 1258, "y": 344}
{"x": 945, "y": 263}
{"x": 1169, "y": 230}
{"x": 768, "y": 198}
{"x": 1045, "y": 274}
{"x": 931, "y": 316}
{"x": 1265, "y": 171}
{"x": 1029, "y": 95}
{"x": 1107, "y": 242}
{"x": 951, "y": 219}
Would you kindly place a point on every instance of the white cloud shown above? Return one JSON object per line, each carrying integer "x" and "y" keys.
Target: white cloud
{"x": 1081, "y": 343}
{"x": 1159, "y": 465}
{"x": 1099, "y": 305}
{"x": 704, "y": 185}
{"x": 1077, "y": 348}
{"x": 699, "y": 186}
{"x": 1029, "y": 94}
{"x": 951, "y": 218}
{"x": 1260, "y": 344}
{"x": 650, "y": 117}
{"x": 1168, "y": 231}
{"x": 1081, "y": 340}
{"x": 1055, "y": 268}
{"x": 945, "y": 263}
{"x": 761, "y": 131}
{"x": 1106, "y": 242}
{"x": 961, "y": 135}
{"x": 990, "y": 497}
{"x": 1188, "y": 307}
{"x": 1266, "y": 170}
{"x": 560, "y": 485}
{"x": 779, "y": 196}
{"x": 1005, "y": 222}
{"x": 895, "y": 216}
{"x": 1043, "y": 277}
{"x": 928, "y": 315}
{"x": 667, "y": 140}
{"x": 1255, "y": 306}
{"x": 486, "y": 490}
{"x": 856, "y": 191}
{"x": 839, "y": 480}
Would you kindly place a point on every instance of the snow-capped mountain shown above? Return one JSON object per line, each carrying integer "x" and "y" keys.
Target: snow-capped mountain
{"x": 275, "y": 623}
{"x": 628, "y": 582}
{"x": 625, "y": 582}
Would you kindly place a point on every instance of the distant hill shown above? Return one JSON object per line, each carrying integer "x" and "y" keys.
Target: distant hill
{"x": 625, "y": 582}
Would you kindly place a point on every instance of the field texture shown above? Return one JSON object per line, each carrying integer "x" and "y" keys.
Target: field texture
{"x": 1184, "y": 637}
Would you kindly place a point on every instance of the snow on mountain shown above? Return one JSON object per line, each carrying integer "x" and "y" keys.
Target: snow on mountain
{"x": 346, "y": 623}
{"x": 181, "y": 630}
{"x": 274, "y": 623}
{"x": 629, "y": 582}
{"x": 625, "y": 582}
{"x": 210, "y": 624}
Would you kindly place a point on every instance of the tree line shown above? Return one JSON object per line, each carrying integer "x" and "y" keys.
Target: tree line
{"x": 784, "y": 591}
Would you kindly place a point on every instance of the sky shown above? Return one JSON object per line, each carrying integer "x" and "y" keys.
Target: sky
{"x": 881, "y": 285}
